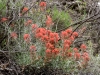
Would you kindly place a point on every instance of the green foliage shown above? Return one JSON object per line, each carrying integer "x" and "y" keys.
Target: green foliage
{"x": 61, "y": 17}
{"x": 3, "y": 4}
{"x": 23, "y": 58}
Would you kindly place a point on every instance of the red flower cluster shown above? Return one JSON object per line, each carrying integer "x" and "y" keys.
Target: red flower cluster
{"x": 83, "y": 55}
{"x": 50, "y": 39}
{"x": 67, "y": 34}
{"x": 53, "y": 43}
{"x": 67, "y": 37}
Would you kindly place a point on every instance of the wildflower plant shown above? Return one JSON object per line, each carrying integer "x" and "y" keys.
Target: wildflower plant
{"x": 42, "y": 45}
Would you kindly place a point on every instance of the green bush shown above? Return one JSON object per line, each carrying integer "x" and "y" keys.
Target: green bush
{"x": 61, "y": 17}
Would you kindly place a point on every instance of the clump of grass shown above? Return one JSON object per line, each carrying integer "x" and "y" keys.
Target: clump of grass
{"x": 3, "y": 4}
{"x": 61, "y": 17}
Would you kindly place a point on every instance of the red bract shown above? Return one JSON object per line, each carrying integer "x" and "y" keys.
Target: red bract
{"x": 49, "y": 21}
{"x": 85, "y": 56}
{"x": 48, "y": 32}
{"x": 45, "y": 38}
{"x": 38, "y": 35}
{"x": 75, "y": 34}
{"x": 49, "y": 46}
{"x": 25, "y": 9}
{"x": 13, "y": 35}
{"x": 77, "y": 56}
{"x": 69, "y": 54}
{"x": 55, "y": 51}
{"x": 69, "y": 31}
{"x": 83, "y": 46}
{"x": 41, "y": 30}
{"x": 67, "y": 42}
{"x": 48, "y": 51}
{"x": 42, "y": 4}
{"x": 56, "y": 37}
{"x": 52, "y": 40}
{"x": 71, "y": 38}
{"x": 32, "y": 48}
{"x": 28, "y": 22}
{"x": 26, "y": 37}
{"x": 51, "y": 35}
{"x": 75, "y": 50}
{"x": 3, "y": 19}
{"x": 64, "y": 34}
{"x": 34, "y": 26}
{"x": 66, "y": 46}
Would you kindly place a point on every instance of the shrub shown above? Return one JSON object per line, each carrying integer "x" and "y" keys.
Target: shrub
{"x": 37, "y": 43}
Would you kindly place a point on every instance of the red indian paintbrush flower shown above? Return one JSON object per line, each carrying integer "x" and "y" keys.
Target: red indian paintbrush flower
{"x": 28, "y": 22}
{"x": 45, "y": 38}
{"x": 49, "y": 21}
{"x": 26, "y": 37}
{"x": 34, "y": 26}
{"x": 56, "y": 36}
{"x": 75, "y": 50}
{"x": 67, "y": 42}
{"x": 55, "y": 51}
{"x": 49, "y": 46}
{"x": 13, "y": 35}
{"x": 3, "y": 19}
{"x": 25, "y": 9}
{"x": 77, "y": 56}
{"x": 71, "y": 38}
{"x": 66, "y": 46}
{"x": 42, "y": 4}
{"x": 32, "y": 48}
{"x": 75, "y": 34}
{"x": 83, "y": 46}
{"x": 69, "y": 54}
{"x": 52, "y": 40}
{"x": 64, "y": 35}
{"x": 85, "y": 56}
{"x": 48, "y": 51}
{"x": 39, "y": 35}
{"x": 69, "y": 31}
